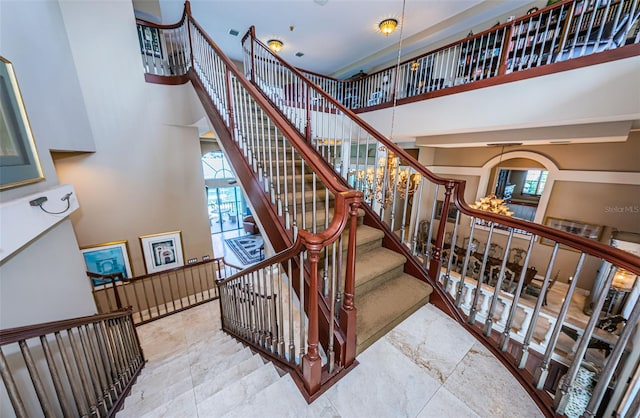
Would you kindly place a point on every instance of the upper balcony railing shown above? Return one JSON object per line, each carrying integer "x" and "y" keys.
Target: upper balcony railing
{"x": 564, "y": 31}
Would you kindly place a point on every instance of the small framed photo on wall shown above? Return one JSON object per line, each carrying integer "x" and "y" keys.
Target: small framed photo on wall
{"x": 107, "y": 258}
{"x": 162, "y": 251}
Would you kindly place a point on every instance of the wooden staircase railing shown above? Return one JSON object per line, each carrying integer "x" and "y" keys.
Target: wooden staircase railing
{"x": 154, "y": 296}
{"x": 76, "y": 367}
{"x": 407, "y": 201}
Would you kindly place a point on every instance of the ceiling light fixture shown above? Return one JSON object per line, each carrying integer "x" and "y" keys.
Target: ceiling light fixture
{"x": 387, "y": 26}
{"x": 275, "y": 45}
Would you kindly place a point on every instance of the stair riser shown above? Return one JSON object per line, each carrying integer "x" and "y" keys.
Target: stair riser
{"x": 364, "y": 288}
{"x": 363, "y": 345}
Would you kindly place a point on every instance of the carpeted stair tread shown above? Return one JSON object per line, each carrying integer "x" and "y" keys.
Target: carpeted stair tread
{"x": 386, "y": 306}
{"x": 376, "y": 266}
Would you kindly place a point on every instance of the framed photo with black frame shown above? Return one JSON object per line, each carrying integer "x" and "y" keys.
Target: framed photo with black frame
{"x": 19, "y": 162}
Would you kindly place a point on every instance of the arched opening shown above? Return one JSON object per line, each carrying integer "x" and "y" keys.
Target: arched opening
{"x": 524, "y": 179}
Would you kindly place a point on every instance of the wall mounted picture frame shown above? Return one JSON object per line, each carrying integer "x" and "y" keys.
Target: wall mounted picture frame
{"x": 451, "y": 216}
{"x": 579, "y": 228}
{"x": 149, "y": 39}
{"x": 19, "y": 162}
{"x": 162, "y": 251}
{"x": 107, "y": 258}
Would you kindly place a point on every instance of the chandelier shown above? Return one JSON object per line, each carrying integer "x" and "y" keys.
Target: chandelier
{"x": 387, "y": 180}
{"x": 493, "y": 204}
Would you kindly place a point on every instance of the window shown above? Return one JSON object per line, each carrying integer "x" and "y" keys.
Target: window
{"x": 216, "y": 166}
{"x": 534, "y": 182}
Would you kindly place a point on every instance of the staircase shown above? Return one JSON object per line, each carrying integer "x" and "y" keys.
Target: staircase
{"x": 222, "y": 374}
{"x": 385, "y": 295}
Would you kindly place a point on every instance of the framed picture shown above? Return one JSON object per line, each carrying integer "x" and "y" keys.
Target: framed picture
{"x": 162, "y": 251}
{"x": 451, "y": 215}
{"x": 149, "y": 39}
{"x": 19, "y": 163}
{"x": 107, "y": 258}
{"x": 573, "y": 227}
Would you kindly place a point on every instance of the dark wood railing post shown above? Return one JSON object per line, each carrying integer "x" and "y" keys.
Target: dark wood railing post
{"x": 113, "y": 279}
{"x": 348, "y": 310}
{"x": 252, "y": 29}
{"x": 311, "y": 362}
{"x": 434, "y": 265}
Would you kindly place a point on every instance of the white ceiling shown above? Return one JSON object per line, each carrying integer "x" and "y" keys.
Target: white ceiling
{"x": 341, "y": 37}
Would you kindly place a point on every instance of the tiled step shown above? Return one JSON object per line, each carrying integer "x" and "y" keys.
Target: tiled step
{"x": 276, "y": 400}
{"x": 238, "y": 392}
{"x": 386, "y": 306}
{"x": 235, "y": 371}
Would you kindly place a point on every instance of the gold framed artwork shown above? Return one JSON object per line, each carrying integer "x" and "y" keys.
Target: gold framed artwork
{"x": 19, "y": 162}
{"x": 108, "y": 258}
{"x": 162, "y": 251}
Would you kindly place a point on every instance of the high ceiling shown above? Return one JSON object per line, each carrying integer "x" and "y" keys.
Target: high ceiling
{"x": 341, "y": 37}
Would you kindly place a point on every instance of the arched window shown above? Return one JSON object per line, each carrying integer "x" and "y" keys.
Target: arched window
{"x": 216, "y": 166}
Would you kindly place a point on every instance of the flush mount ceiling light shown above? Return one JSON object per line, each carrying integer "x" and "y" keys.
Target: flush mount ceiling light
{"x": 275, "y": 45}
{"x": 387, "y": 26}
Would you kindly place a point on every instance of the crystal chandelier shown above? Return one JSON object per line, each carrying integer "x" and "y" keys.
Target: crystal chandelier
{"x": 387, "y": 180}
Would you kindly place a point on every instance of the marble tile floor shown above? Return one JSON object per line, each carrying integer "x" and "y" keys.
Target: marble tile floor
{"x": 428, "y": 366}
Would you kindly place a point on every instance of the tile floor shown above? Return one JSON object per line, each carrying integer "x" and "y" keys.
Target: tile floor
{"x": 428, "y": 366}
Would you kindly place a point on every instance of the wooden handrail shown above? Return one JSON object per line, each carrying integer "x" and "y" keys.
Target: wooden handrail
{"x": 13, "y": 335}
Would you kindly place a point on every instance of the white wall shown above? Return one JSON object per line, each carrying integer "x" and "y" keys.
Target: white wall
{"x": 45, "y": 279}
{"x": 146, "y": 175}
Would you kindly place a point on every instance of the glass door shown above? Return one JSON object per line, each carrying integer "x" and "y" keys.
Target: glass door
{"x": 226, "y": 208}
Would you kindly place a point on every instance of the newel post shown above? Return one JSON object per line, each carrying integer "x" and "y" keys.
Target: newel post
{"x": 348, "y": 310}
{"x": 434, "y": 265}
{"x": 311, "y": 362}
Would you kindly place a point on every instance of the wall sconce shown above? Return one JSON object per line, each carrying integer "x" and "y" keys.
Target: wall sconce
{"x": 275, "y": 45}
{"x": 623, "y": 281}
{"x": 387, "y": 26}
